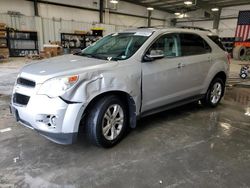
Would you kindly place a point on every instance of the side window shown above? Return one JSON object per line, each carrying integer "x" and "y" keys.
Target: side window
{"x": 167, "y": 44}
{"x": 192, "y": 44}
{"x": 217, "y": 40}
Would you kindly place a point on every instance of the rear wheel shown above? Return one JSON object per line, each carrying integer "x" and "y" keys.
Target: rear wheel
{"x": 215, "y": 93}
{"x": 107, "y": 122}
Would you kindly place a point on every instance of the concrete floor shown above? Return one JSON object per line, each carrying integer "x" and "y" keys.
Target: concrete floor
{"x": 190, "y": 146}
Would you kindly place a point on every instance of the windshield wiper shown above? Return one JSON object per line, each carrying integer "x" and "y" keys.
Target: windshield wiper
{"x": 117, "y": 59}
{"x": 97, "y": 56}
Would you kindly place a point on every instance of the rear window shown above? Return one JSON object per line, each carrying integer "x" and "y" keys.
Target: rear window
{"x": 217, "y": 41}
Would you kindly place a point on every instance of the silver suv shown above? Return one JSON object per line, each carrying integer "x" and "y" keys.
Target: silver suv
{"x": 120, "y": 78}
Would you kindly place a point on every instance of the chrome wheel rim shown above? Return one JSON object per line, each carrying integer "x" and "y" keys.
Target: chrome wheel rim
{"x": 216, "y": 93}
{"x": 112, "y": 122}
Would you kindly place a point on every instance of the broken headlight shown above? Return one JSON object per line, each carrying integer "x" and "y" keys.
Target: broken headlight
{"x": 57, "y": 86}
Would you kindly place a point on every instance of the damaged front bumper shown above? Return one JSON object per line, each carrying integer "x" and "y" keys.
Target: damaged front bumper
{"x": 53, "y": 118}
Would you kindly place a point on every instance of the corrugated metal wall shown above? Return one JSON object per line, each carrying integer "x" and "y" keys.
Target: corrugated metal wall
{"x": 50, "y": 29}
{"x": 18, "y": 22}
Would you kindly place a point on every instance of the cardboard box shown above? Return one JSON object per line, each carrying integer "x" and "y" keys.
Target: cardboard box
{"x": 3, "y": 34}
{"x": 3, "y": 43}
{"x": 56, "y": 43}
{"x": 44, "y": 54}
{"x": 4, "y": 53}
{"x": 81, "y": 32}
{"x": 53, "y": 50}
{"x": 3, "y": 26}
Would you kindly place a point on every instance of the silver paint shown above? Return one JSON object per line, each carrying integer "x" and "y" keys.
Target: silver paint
{"x": 149, "y": 84}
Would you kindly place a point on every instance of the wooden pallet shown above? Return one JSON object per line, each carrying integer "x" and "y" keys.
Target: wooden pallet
{"x": 5, "y": 60}
{"x": 245, "y": 64}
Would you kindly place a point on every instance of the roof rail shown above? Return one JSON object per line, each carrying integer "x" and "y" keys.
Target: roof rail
{"x": 145, "y": 27}
{"x": 195, "y": 28}
{"x": 181, "y": 27}
{"x": 152, "y": 27}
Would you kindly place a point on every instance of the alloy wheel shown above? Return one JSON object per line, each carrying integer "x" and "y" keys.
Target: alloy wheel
{"x": 112, "y": 122}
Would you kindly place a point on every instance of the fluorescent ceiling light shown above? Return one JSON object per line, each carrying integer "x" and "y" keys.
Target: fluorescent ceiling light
{"x": 215, "y": 9}
{"x": 184, "y": 15}
{"x": 150, "y": 8}
{"x": 114, "y": 1}
{"x": 188, "y": 2}
{"x": 177, "y": 13}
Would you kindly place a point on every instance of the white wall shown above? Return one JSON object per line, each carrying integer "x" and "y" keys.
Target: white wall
{"x": 81, "y": 3}
{"x": 53, "y": 11}
{"x": 55, "y": 19}
{"x": 25, "y": 7}
{"x": 65, "y": 13}
{"x": 126, "y": 20}
{"x": 227, "y": 27}
{"x": 125, "y": 7}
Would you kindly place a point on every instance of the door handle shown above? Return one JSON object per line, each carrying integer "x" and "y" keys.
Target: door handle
{"x": 181, "y": 65}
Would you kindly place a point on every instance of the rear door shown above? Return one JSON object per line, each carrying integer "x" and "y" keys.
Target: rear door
{"x": 196, "y": 62}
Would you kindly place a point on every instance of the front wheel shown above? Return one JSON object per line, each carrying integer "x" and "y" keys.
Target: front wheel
{"x": 107, "y": 122}
{"x": 215, "y": 93}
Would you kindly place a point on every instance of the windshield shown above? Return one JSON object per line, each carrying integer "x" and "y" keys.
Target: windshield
{"x": 118, "y": 46}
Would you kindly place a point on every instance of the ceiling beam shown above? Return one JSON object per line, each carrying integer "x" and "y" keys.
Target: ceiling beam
{"x": 166, "y": 2}
{"x": 205, "y": 6}
{"x": 206, "y": 19}
{"x": 235, "y": 3}
{"x": 173, "y": 6}
{"x": 227, "y": 1}
{"x": 157, "y": 8}
{"x": 148, "y": 1}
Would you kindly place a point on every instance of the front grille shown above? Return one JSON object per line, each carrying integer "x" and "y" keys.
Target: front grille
{"x": 25, "y": 82}
{"x": 21, "y": 99}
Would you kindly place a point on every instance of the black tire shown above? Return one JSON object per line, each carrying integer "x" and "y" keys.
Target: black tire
{"x": 239, "y": 52}
{"x": 95, "y": 121}
{"x": 207, "y": 100}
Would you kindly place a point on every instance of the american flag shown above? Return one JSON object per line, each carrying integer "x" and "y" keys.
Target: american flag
{"x": 243, "y": 26}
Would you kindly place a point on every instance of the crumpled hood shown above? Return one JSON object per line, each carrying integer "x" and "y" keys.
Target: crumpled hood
{"x": 62, "y": 65}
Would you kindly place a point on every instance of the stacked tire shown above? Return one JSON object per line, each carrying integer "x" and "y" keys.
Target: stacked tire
{"x": 239, "y": 52}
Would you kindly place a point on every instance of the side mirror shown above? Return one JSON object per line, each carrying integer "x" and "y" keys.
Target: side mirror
{"x": 154, "y": 54}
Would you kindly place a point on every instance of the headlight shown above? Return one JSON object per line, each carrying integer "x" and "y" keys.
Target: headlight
{"x": 57, "y": 86}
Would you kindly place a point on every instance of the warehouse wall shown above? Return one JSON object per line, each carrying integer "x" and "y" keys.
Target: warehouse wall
{"x": 22, "y": 6}
{"x": 53, "y": 11}
{"x": 50, "y": 29}
{"x": 55, "y": 19}
{"x": 65, "y": 13}
{"x": 50, "y": 11}
{"x": 227, "y": 27}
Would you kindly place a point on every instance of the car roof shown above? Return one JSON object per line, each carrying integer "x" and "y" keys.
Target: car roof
{"x": 171, "y": 29}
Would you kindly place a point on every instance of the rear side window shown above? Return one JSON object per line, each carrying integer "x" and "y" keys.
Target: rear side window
{"x": 217, "y": 41}
{"x": 192, "y": 44}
